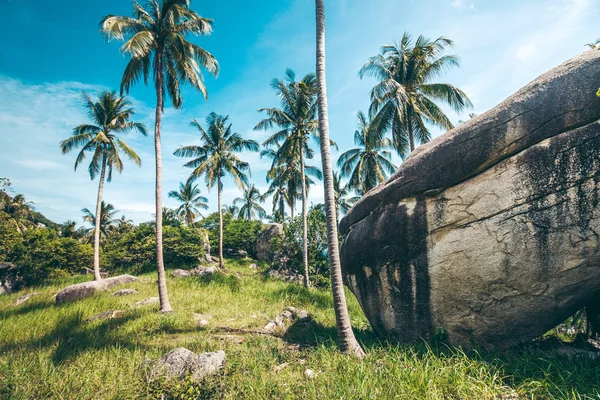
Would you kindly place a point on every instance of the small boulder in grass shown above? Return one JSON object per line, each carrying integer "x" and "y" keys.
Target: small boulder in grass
{"x": 181, "y": 362}
{"x": 24, "y": 298}
{"x": 125, "y": 292}
{"x": 110, "y": 314}
{"x": 151, "y": 300}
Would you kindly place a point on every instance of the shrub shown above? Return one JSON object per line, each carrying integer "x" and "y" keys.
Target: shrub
{"x": 238, "y": 234}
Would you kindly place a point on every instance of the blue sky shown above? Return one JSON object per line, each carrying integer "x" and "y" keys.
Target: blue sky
{"x": 51, "y": 51}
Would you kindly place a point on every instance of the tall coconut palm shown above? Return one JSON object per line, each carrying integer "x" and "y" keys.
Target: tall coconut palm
{"x": 370, "y": 163}
{"x": 191, "y": 201}
{"x": 106, "y": 220}
{"x": 405, "y": 98}
{"x": 110, "y": 116}
{"x": 285, "y": 176}
{"x": 296, "y": 121}
{"x": 157, "y": 40}
{"x": 216, "y": 158}
{"x": 347, "y": 341}
{"x": 250, "y": 204}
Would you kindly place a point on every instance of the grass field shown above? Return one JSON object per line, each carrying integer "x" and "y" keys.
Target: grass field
{"x": 50, "y": 351}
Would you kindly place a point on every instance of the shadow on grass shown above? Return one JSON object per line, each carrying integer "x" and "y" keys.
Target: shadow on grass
{"x": 74, "y": 335}
{"x": 22, "y": 309}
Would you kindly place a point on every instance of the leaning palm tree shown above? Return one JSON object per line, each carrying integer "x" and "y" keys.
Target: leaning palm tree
{"x": 216, "y": 158}
{"x": 405, "y": 98}
{"x": 296, "y": 121}
{"x": 595, "y": 45}
{"x": 250, "y": 204}
{"x": 191, "y": 201}
{"x": 370, "y": 163}
{"x": 347, "y": 341}
{"x": 110, "y": 116}
{"x": 157, "y": 40}
{"x": 106, "y": 220}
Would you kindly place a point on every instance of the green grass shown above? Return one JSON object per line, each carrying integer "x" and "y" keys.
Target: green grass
{"x": 49, "y": 351}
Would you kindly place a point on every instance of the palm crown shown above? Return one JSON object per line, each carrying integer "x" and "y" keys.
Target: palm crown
{"x": 191, "y": 201}
{"x": 250, "y": 204}
{"x": 157, "y": 39}
{"x": 110, "y": 116}
{"x": 404, "y": 99}
{"x": 107, "y": 214}
{"x": 216, "y": 158}
{"x": 368, "y": 165}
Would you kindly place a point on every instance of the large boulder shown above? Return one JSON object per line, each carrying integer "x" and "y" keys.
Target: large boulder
{"x": 8, "y": 277}
{"x": 263, "y": 242}
{"x": 489, "y": 234}
{"x": 82, "y": 290}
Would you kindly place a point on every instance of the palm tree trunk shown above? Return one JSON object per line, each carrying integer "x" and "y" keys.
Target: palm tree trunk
{"x": 411, "y": 135}
{"x": 97, "y": 275}
{"x": 221, "y": 263}
{"x": 347, "y": 341}
{"x": 165, "y": 305}
{"x": 304, "y": 219}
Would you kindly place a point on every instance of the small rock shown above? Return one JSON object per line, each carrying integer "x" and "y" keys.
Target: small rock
{"x": 291, "y": 309}
{"x": 203, "y": 322}
{"x": 125, "y": 292}
{"x": 181, "y": 362}
{"x": 286, "y": 314}
{"x": 302, "y": 361}
{"x": 271, "y": 327}
{"x": 279, "y": 367}
{"x": 110, "y": 314}
{"x": 177, "y": 273}
{"x": 309, "y": 373}
{"x": 253, "y": 266}
{"x": 151, "y": 300}
{"x": 209, "y": 271}
{"x": 24, "y": 298}
{"x": 303, "y": 316}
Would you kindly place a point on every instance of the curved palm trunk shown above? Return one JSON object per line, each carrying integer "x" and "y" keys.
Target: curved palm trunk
{"x": 165, "y": 305}
{"x": 411, "y": 135}
{"x": 221, "y": 263}
{"x": 347, "y": 341}
{"x": 304, "y": 219}
{"x": 97, "y": 275}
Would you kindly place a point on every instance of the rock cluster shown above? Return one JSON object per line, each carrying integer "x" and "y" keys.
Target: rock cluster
{"x": 263, "y": 243}
{"x": 488, "y": 233}
{"x": 286, "y": 317}
{"x": 286, "y": 276}
{"x": 86, "y": 289}
{"x": 198, "y": 271}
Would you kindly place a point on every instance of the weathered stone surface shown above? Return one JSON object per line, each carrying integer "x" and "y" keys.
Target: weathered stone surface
{"x": 8, "y": 277}
{"x": 148, "y": 301}
{"x": 180, "y": 362}
{"x": 491, "y": 230}
{"x": 86, "y": 289}
{"x": 25, "y": 298}
{"x": 263, "y": 243}
{"x": 125, "y": 292}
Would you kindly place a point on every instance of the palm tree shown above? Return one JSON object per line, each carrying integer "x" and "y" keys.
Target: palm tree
{"x": 110, "y": 115}
{"x": 190, "y": 199}
{"x": 343, "y": 203}
{"x": 19, "y": 212}
{"x": 157, "y": 40}
{"x": 285, "y": 178}
{"x": 470, "y": 116}
{"x": 216, "y": 158}
{"x": 296, "y": 121}
{"x": 404, "y": 99}
{"x": 232, "y": 210}
{"x": 347, "y": 341}
{"x": 595, "y": 45}
{"x": 106, "y": 220}
{"x": 250, "y": 204}
{"x": 370, "y": 163}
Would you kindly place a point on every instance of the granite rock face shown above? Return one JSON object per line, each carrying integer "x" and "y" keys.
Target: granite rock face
{"x": 491, "y": 231}
{"x": 263, "y": 243}
{"x": 82, "y": 290}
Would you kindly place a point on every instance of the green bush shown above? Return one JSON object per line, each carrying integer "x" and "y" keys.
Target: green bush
{"x": 136, "y": 250}
{"x": 42, "y": 254}
{"x": 288, "y": 249}
{"x": 238, "y": 234}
